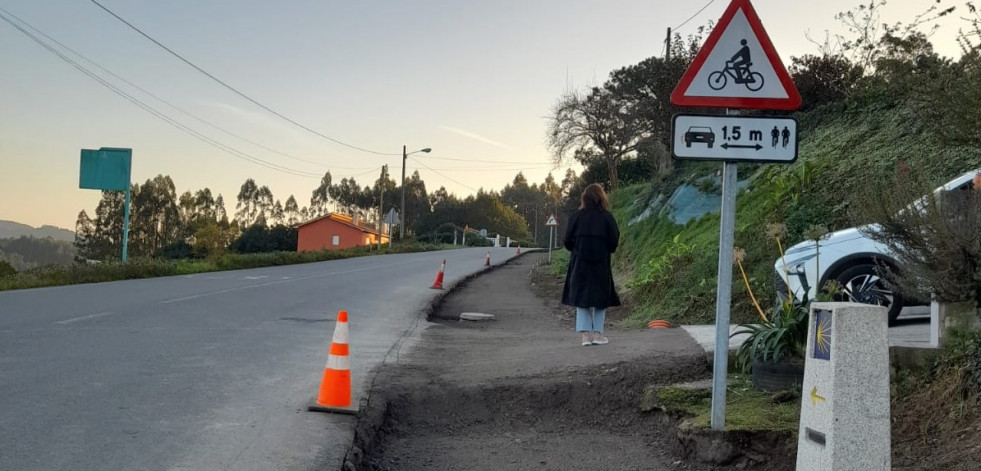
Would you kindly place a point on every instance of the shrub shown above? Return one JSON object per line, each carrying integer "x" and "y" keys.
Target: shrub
{"x": 6, "y": 269}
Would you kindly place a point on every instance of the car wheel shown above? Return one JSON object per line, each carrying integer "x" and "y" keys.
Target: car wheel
{"x": 863, "y": 284}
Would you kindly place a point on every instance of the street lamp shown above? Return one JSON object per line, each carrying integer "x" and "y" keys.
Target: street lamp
{"x": 402, "y": 218}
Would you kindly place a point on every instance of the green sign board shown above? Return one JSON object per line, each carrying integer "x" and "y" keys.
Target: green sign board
{"x": 106, "y": 169}
{"x": 109, "y": 169}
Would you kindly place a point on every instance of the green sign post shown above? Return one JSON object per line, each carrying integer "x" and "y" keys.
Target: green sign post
{"x": 109, "y": 169}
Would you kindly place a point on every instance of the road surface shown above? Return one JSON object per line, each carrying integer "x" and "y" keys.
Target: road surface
{"x": 207, "y": 371}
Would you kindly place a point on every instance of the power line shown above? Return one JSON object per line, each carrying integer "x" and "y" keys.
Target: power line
{"x": 482, "y": 161}
{"x": 161, "y": 100}
{"x": 234, "y": 90}
{"x": 676, "y": 28}
{"x": 152, "y": 110}
{"x": 440, "y": 174}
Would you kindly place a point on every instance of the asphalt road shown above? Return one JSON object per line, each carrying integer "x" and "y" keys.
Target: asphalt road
{"x": 202, "y": 372}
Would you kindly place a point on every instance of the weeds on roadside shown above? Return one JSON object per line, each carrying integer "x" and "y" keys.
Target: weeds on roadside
{"x": 136, "y": 268}
{"x": 782, "y": 335}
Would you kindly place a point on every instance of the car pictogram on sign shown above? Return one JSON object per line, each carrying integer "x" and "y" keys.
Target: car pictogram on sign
{"x": 699, "y": 134}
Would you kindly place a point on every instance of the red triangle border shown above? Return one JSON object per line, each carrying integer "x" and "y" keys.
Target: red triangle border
{"x": 793, "y": 100}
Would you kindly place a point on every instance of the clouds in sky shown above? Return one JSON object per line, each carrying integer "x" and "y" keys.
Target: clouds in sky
{"x": 475, "y": 137}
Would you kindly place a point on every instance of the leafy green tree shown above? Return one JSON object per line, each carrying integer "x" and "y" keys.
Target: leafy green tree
{"x": 526, "y": 200}
{"x": 321, "y": 196}
{"x": 597, "y": 121}
{"x": 220, "y": 213}
{"x": 258, "y": 238}
{"x": 155, "y": 216}
{"x": 349, "y": 195}
{"x": 106, "y": 236}
{"x": 416, "y": 201}
{"x": 212, "y": 241}
{"x": 266, "y": 206}
{"x": 824, "y": 79}
{"x": 247, "y": 209}
{"x": 85, "y": 237}
{"x": 291, "y": 212}
{"x": 277, "y": 213}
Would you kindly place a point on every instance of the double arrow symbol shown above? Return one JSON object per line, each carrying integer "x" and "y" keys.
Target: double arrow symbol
{"x": 728, "y": 146}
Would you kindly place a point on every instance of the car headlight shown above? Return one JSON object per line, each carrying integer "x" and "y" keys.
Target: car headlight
{"x": 796, "y": 266}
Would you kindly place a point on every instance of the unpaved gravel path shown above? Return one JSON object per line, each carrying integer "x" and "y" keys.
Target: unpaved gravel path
{"x": 520, "y": 392}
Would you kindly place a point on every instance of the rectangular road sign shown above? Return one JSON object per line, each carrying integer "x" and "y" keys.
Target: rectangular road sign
{"x": 734, "y": 138}
{"x": 105, "y": 169}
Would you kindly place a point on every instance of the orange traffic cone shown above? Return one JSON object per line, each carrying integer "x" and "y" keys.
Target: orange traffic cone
{"x": 658, "y": 324}
{"x": 487, "y": 260}
{"x": 438, "y": 283}
{"x": 335, "y": 388}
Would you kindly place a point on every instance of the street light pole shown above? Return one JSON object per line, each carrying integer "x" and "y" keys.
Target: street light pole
{"x": 402, "y": 216}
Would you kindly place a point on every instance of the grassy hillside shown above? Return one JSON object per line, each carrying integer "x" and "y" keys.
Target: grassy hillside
{"x": 668, "y": 270}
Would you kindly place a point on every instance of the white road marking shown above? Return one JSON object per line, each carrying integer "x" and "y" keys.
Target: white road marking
{"x": 83, "y": 318}
{"x": 256, "y": 277}
{"x": 279, "y": 282}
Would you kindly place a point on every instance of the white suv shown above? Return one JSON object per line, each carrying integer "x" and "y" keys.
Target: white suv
{"x": 850, "y": 257}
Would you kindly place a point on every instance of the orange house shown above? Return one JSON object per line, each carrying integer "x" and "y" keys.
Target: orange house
{"x": 335, "y": 231}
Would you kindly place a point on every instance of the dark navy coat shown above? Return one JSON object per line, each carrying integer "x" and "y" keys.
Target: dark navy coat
{"x": 592, "y": 236}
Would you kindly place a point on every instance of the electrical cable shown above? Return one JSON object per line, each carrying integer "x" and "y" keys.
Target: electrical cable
{"x": 444, "y": 176}
{"x": 153, "y": 111}
{"x": 477, "y": 161}
{"x": 161, "y": 100}
{"x": 676, "y": 28}
{"x": 236, "y": 91}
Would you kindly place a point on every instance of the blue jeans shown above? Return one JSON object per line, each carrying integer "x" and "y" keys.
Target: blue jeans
{"x": 590, "y": 319}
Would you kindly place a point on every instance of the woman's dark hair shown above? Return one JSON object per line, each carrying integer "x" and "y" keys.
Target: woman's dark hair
{"x": 593, "y": 197}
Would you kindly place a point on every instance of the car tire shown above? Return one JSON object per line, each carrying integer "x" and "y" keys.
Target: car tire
{"x": 863, "y": 284}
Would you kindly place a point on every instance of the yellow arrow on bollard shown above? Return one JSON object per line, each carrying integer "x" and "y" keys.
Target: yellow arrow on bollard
{"x": 814, "y": 396}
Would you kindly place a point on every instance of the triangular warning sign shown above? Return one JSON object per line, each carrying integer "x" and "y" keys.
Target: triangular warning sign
{"x": 737, "y": 67}
{"x": 551, "y": 221}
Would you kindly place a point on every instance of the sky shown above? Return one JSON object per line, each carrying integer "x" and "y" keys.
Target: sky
{"x": 473, "y": 81}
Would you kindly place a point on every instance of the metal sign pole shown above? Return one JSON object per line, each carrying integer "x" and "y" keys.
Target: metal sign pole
{"x": 126, "y": 224}
{"x": 551, "y": 231}
{"x": 723, "y": 296}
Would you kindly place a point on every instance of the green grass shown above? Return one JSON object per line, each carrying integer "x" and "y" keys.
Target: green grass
{"x": 747, "y": 408}
{"x": 136, "y": 268}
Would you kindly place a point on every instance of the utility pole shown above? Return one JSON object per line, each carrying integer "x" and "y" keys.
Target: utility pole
{"x": 381, "y": 204}
{"x": 402, "y": 216}
{"x": 667, "y": 53}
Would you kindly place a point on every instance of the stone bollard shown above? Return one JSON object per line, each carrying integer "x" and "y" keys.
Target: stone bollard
{"x": 844, "y": 418}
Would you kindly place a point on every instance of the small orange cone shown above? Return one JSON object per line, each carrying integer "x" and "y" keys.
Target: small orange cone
{"x": 438, "y": 282}
{"x": 658, "y": 324}
{"x": 487, "y": 260}
{"x": 335, "y": 387}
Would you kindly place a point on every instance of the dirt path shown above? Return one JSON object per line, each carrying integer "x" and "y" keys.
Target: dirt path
{"x": 520, "y": 392}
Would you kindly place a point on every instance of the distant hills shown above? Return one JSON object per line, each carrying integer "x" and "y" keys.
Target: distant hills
{"x": 13, "y": 230}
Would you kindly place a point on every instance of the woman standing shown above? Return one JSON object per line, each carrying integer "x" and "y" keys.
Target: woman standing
{"x": 592, "y": 236}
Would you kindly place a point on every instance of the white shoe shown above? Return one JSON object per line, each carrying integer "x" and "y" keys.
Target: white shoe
{"x": 586, "y": 340}
{"x": 600, "y": 340}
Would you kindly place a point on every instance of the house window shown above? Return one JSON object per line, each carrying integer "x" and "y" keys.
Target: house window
{"x": 336, "y": 240}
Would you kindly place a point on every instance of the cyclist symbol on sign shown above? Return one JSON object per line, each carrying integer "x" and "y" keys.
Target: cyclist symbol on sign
{"x": 738, "y": 69}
